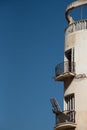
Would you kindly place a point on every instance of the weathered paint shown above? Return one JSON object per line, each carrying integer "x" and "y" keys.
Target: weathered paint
{"x": 78, "y": 85}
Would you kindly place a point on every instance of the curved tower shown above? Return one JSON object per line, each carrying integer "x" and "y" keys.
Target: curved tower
{"x": 73, "y": 72}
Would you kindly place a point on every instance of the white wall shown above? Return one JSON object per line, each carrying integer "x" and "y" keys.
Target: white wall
{"x": 78, "y": 41}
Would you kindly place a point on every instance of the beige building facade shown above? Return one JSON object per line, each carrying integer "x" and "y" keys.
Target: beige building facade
{"x": 73, "y": 72}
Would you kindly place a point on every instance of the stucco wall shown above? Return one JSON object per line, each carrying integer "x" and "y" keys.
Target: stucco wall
{"x": 78, "y": 85}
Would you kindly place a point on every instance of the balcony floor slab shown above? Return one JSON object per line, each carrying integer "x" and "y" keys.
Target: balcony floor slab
{"x": 65, "y": 125}
{"x": 64, "y": 76}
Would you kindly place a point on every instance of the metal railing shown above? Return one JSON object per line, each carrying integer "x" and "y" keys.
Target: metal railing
{"x": 70, "y": 117}
{"x": 76, "y": 26}
{"x": 64, "y": 67}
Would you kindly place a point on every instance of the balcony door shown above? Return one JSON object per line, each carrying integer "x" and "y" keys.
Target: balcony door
{"x": 70, "y": 58}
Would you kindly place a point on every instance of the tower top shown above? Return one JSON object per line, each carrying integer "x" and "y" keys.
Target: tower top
{"x": 73, "y": 5}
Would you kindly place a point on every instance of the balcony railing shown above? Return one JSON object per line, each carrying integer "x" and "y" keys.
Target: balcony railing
{"x": 76, "y": 26}
{"x": 65, "y": 121}
{"x": 71, "y": 115}
{"x": 64, "y": 67}
{"x": 68, "y": 116}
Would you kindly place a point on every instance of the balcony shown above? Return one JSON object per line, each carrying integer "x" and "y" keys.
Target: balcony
{"x": 64, "y": 70}
{"x": 65, "y": 121}
{"x": 76, "y": 26}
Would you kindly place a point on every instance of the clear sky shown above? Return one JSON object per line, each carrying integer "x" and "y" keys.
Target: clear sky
{"x": 31, "y": 45}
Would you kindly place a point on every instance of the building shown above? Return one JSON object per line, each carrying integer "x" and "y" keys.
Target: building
{"x": 73, "y": 72}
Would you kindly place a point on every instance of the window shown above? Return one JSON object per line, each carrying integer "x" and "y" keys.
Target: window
{"x": 70, "y": 106}
{"x": 70, "y": 58}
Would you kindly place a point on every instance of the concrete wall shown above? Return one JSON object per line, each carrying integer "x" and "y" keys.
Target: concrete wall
{"x": 78, "y": 85}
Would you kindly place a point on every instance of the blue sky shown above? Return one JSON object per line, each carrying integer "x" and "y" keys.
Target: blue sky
{"x": 31, "y": 45}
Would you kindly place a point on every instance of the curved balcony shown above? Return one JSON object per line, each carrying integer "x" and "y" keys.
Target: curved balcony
{"x": 65, "y": 120}
{"x": 76, "y": 26}
{"x": 64, "y": 70}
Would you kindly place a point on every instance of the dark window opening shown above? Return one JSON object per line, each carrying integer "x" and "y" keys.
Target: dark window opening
{"x": 70, "y": 58}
